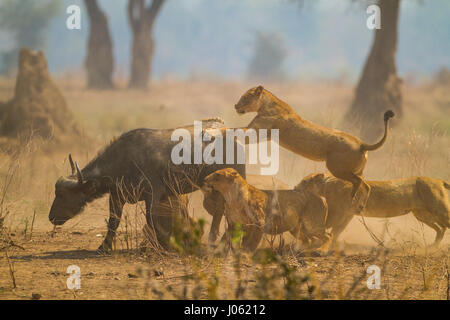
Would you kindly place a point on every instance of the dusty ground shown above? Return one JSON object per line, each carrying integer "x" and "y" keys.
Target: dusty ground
{"x": 419, "y": 145}
{"x": 40, "y": 268}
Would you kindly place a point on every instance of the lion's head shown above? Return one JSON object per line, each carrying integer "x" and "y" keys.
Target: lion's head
{"x": 221, "y": 180}
{"x": 250, "y": 101}
{"x": 314, "y": 183}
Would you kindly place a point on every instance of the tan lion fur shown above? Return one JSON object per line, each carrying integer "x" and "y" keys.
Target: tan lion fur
{"x": 426, "y": 198}
{"x": 215, "y": 204}
{"x": 344, "y": 154}
{"x": 264, "y": 211}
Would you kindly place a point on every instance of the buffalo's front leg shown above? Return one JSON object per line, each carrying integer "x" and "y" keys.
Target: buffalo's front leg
{"x": 115, "y": 214}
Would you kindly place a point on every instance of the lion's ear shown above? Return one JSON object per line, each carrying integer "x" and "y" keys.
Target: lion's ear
{"x": 259, "y": 90}
{"x": 319, "y": 176}
{"x": 235, "y": 173}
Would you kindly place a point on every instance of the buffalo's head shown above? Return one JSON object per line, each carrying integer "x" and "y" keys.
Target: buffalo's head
{"x": 71, "y": 195}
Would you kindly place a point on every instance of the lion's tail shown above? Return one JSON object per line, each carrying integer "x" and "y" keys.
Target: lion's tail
{"x": 370, "y": 147}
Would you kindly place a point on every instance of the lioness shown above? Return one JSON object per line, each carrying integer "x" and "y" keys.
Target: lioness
{"x": 214, "y": 203}
{"x": 345, "y": 155}
{"x": 266, "y": 211}
{"x": 426, "y": 198}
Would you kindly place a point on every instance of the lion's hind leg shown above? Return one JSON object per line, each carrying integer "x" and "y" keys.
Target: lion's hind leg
{"x": 353, "y": 174}
{"x": 360, "y": 195}
{"x": 336, "y": 231}
{"x": 437, "y": 212}
{"x": 435, "y": 199}
{"x": 439, "y": 236}
{"x": 360, "y": 191}
{"x": 429, "y": 219}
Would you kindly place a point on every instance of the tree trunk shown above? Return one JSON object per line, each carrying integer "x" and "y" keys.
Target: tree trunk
{"x": 142, "y": 20}
{"x": 99, "y": 60}
{"x": 379, "y": 87}
{"x": 141, "y": 59}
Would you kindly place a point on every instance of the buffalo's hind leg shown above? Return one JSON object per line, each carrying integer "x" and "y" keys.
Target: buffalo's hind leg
{"x": 115, "y": 214}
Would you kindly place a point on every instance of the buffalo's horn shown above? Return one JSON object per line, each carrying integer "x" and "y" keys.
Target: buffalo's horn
{"x": 79, "y": 175}
{"x": 71, "y": 164}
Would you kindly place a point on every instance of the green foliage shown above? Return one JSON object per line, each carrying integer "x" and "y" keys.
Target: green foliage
{"x": 187, "y": 235}
{"x": 236, "y": 235}
{"x": 25, "y": 22}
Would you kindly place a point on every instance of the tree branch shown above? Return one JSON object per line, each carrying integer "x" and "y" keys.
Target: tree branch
{"x": 153, "y": 10}
{"x": 132, "y": 19}
{"x": 92, "y": 8}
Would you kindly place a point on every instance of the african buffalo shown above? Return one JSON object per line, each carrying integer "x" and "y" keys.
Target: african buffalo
{"x": 137, "y": 166}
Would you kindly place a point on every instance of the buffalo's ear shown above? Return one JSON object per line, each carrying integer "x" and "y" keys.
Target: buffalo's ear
{"x": 259, "y": 90}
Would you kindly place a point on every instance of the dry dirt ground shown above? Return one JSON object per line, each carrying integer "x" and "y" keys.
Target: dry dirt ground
{"x": 40, "y": 269}
{"x": 419, "y": 145}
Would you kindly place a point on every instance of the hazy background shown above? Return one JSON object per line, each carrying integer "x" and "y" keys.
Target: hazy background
{"x": 199, "y": 43}
{"x": 309, "y": 53}
{"x": 203, "y": 38}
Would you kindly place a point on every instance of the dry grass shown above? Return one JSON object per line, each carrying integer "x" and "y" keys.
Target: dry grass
{"x": 417, "y": 146}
